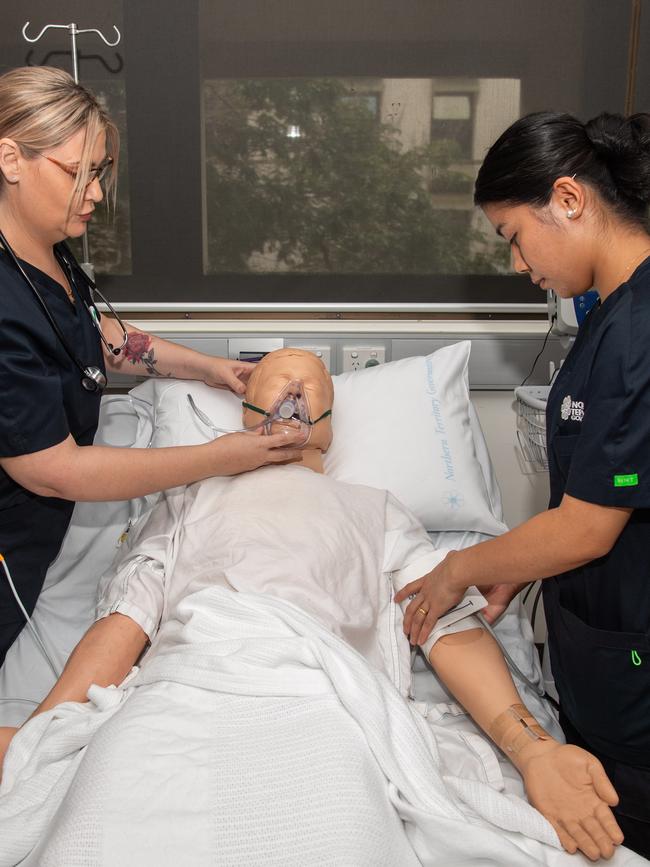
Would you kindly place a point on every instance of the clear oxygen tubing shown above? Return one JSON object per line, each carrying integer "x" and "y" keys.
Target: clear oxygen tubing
{"x": 514, "y": 668}
{"x": 55, "y": 670}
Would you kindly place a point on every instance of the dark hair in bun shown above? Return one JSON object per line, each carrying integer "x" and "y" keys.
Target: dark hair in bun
{"x": 611, "y": 153}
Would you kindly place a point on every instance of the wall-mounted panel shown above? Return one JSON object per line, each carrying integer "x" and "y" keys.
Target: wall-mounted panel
{"x": 497, "y": 361}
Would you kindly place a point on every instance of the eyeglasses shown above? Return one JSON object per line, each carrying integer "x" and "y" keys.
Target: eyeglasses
{"x": 98, "y": 173}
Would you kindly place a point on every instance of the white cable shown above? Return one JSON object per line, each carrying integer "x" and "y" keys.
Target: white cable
{"x": 33, "y": 629}
{"x": 512, "y": 664}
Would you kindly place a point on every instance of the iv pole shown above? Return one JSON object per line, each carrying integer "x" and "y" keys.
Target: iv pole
{"x": 74, "y": 32}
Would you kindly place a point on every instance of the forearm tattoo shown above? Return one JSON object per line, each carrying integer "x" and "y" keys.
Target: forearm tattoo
{"x": 139, "y": 350}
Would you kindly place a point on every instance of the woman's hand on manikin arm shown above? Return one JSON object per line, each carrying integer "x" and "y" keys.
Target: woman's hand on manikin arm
{"x": 146, "y": 355}
{"x": 549, "y": 544}
{"x": 565, "y": 783}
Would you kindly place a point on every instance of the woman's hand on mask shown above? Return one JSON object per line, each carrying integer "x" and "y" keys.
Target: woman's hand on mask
{"x": 570, "y": 788}
{"x": 244, "y": 451}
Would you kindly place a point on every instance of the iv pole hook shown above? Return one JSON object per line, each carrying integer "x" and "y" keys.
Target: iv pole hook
{"x": 74, "y": 32}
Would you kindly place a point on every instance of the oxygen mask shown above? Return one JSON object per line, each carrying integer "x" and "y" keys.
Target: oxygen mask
{"x": 289, "y": 410}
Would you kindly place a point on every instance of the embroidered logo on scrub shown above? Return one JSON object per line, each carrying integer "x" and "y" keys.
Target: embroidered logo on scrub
{"x": 572, "y": 409}
{"x": 628, "y": 481}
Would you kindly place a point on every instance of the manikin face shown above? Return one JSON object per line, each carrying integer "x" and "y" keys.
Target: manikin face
{"x": 45, "y": 189}
{"x": 274, "y": 372}
{"x": 546, "y": 245}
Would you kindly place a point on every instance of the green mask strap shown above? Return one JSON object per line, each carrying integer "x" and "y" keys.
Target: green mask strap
{"x": 267, "y": 414}
{"x": 321, "y": 417}
{"x": 255, "y": 408}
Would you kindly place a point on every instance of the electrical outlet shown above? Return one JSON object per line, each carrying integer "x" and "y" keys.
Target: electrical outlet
{"x": 359, "y": 357}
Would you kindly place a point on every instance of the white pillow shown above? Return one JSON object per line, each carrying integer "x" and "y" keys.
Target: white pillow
{"x": 405, "y": 427}
{"x": 175, "y": 423}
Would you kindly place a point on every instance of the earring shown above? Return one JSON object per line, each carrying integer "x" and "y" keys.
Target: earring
{"x": 570, "y": 214}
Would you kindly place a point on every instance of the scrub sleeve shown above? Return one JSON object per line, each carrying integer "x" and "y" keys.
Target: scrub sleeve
{"x": 42, "y": 403}
{"x": 598, "y": 424}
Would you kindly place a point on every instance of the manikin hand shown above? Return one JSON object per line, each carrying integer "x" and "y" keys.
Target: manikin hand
{"x": 6, "y": 734}
{"x": 570, "y": 788}
{"x": 226, "y": 373}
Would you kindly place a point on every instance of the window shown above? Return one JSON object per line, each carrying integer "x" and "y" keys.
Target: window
{"x": 332, "y": 176}
{"x": 102, "y": 69}
{"x": 109, "y": 235}
{"x": 414, "y": 91}
{"x": 452, "y": 121}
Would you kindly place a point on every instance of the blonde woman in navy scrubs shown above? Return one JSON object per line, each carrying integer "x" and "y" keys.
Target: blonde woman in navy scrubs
{"x": 571, "y": 199}
{"x": 57, "y": 148}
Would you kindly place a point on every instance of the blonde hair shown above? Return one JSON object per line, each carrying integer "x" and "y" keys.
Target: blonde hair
{"x": 42, "y": 107}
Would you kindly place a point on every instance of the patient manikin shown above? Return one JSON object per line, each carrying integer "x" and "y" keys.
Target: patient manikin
{"x": 338, "y": 553}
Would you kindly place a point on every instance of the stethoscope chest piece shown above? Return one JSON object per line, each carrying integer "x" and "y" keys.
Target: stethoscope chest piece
{"x": 93, "y": 380}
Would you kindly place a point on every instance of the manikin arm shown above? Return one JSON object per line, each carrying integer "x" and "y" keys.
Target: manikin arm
{"x": 129, "y": 609}
{"x": 104, "y": 656}
{"x": 565, "y": 783}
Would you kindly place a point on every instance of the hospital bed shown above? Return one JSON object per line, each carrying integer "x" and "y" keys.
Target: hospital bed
{"x": 157, "y": 413}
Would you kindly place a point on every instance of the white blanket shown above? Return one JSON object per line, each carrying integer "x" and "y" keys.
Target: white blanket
{"x": 292, "y": 750}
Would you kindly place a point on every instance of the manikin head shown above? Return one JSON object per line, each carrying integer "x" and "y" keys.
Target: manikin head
{"x": 272, "y": 376}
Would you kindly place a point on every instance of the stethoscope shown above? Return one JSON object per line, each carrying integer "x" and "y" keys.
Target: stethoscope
{"x": 92, "y": 378}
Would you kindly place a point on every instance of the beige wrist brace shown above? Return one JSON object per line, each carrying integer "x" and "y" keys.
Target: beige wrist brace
{"x": 515, "y": 728}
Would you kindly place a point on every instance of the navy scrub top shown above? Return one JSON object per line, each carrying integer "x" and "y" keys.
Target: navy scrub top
{"x": 42, "y": 401}
{"x": 598, "y": 433}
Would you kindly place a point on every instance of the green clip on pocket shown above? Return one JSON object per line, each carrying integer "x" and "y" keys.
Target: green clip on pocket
{"x": 636, "y": 659}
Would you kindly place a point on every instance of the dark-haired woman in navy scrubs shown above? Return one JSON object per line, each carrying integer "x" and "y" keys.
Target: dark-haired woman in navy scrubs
{"x": 571, "y": 200}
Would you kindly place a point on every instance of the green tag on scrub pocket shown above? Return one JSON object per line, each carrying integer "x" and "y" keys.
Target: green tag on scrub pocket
{"x": 628, "y": 481}
{"x": 636, "y": 659}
